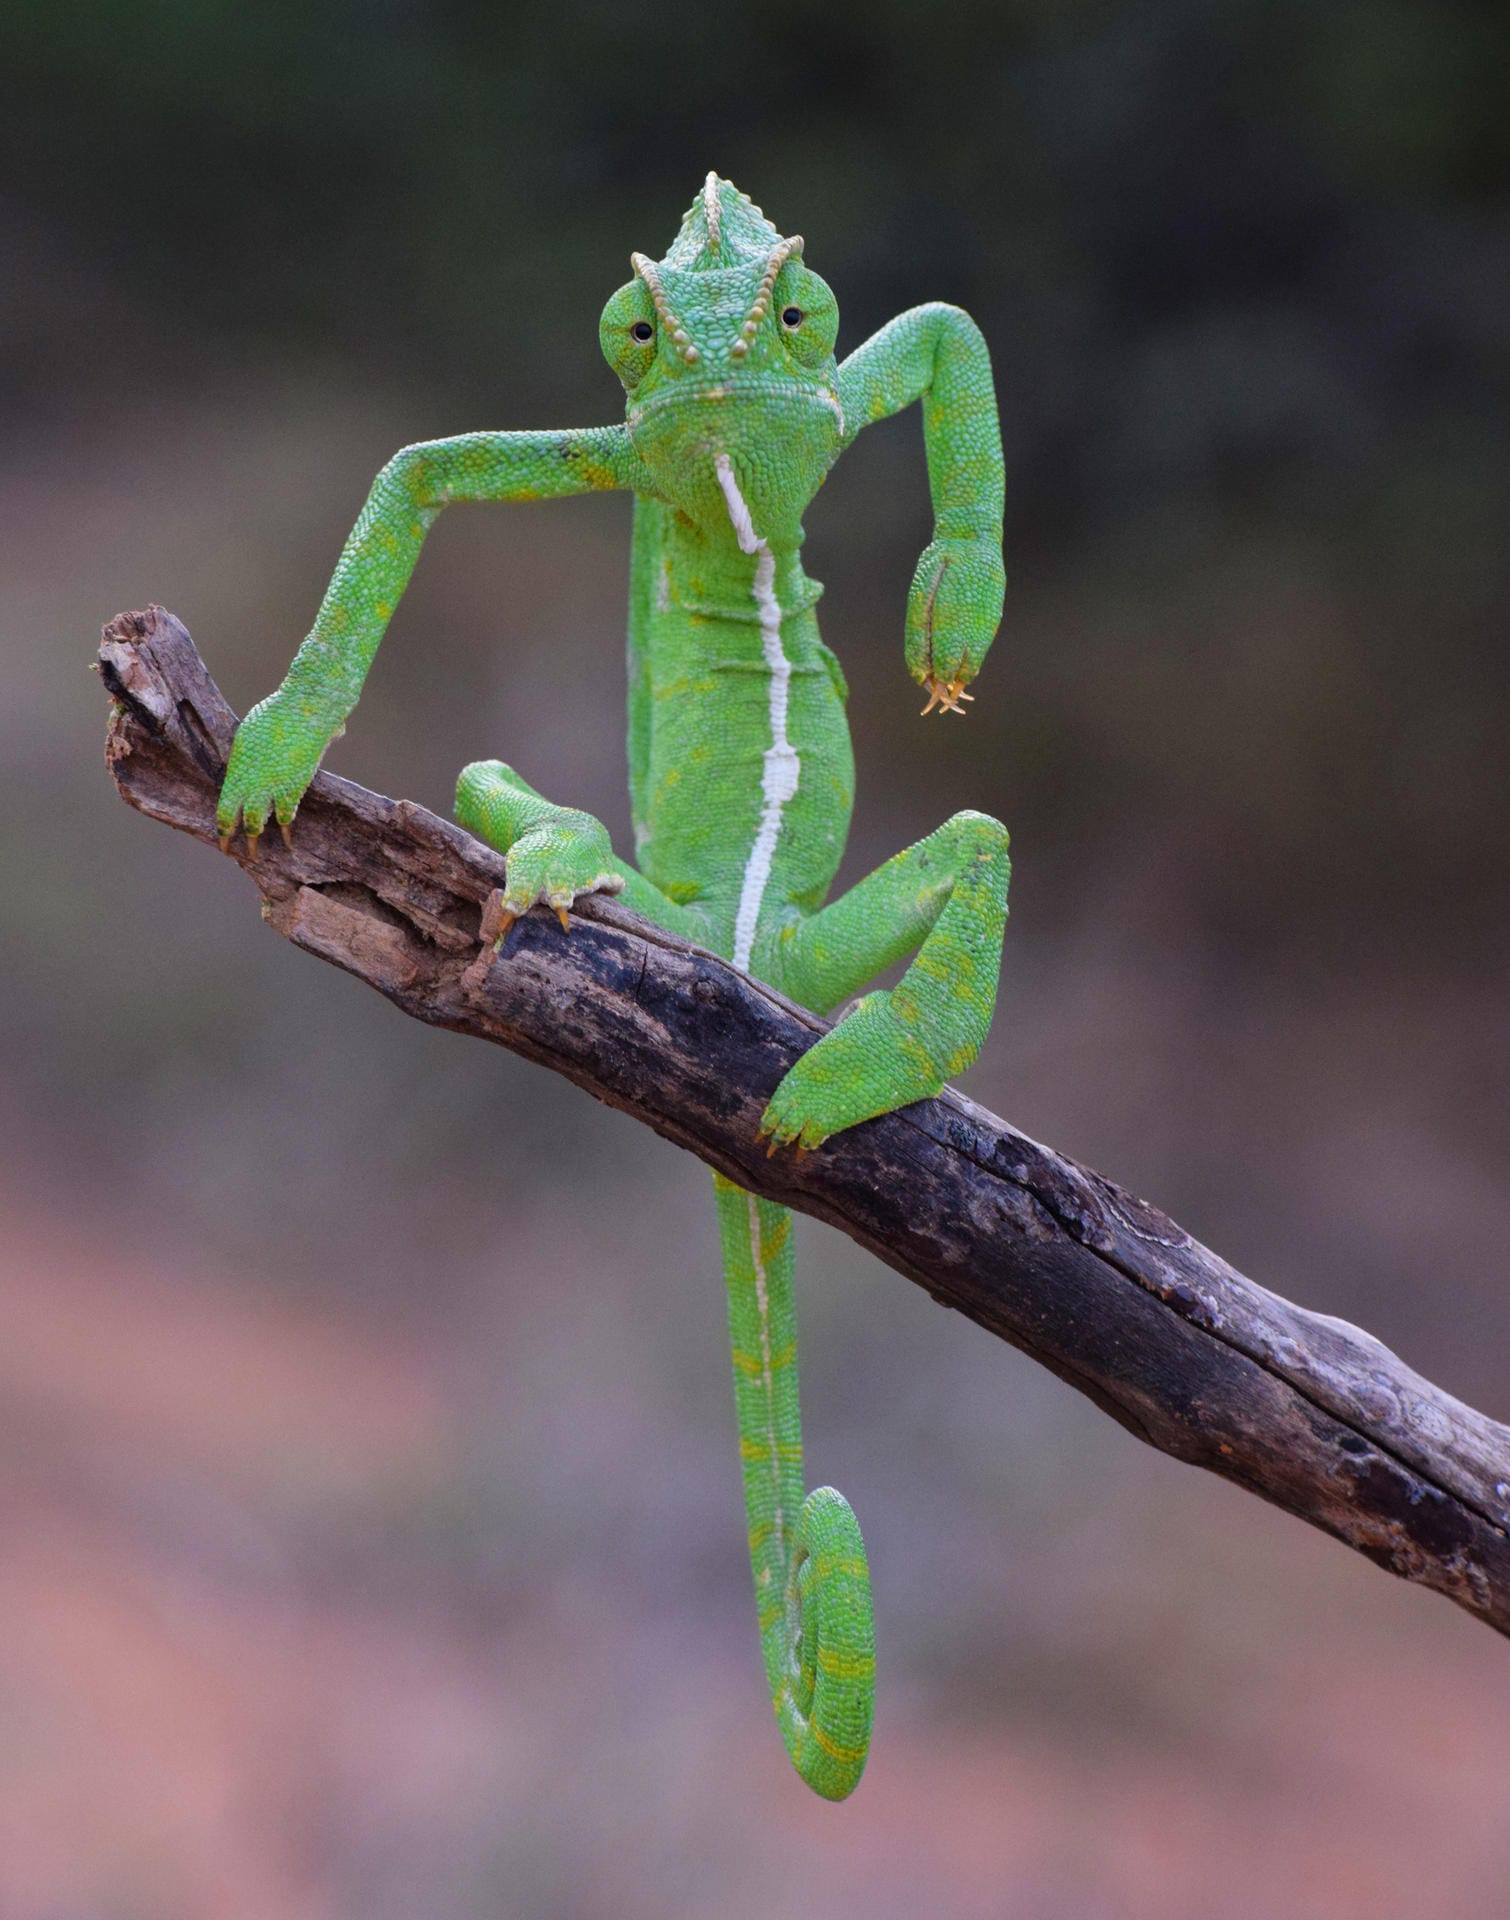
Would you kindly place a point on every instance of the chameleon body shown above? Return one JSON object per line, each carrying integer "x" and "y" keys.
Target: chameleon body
{"x": 741, "y": 780}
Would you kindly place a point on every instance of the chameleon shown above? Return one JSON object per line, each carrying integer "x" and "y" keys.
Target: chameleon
{"x": 741, "y": 778}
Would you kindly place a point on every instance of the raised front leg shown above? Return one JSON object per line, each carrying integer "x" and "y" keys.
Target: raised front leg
{"x": 554, "y": 854}
{"x": 936, "y": 354}
{"x": 946, "y": 896}
{"x": 280, "y": 744}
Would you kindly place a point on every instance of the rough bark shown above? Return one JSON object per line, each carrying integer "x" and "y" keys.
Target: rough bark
{"x": 1304, "y": 1410}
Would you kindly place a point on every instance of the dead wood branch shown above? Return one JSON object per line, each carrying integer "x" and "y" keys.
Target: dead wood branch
{"x": 1307, "y": 1411}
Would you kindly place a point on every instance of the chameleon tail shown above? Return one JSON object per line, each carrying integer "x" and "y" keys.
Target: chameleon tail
{"x": 812, "y": 1585}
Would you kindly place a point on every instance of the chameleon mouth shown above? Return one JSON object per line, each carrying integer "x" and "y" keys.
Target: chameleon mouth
{"x": 824, "y": 398}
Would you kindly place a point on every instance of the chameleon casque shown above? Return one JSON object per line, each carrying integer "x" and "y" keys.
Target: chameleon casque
{"x": 741, "y": 780}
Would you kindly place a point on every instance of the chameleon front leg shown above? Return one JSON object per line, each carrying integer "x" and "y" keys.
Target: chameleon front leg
{"x": 937, "y": 354}
{"x": 947, "y": 897}
{"x": 280, "y": 744}
{"x": 554, "y": 853}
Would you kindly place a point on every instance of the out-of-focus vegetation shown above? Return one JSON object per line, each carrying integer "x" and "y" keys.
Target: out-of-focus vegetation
{"x": 372, "y": 1538}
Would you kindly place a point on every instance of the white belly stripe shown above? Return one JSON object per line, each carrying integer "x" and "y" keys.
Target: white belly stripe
{"x": 782, "y": 767}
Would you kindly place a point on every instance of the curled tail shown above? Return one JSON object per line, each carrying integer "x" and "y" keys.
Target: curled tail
{"x": 812, "y": 1585}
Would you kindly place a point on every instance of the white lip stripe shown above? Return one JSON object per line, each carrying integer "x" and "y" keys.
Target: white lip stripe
{"x": 782, "y": 766}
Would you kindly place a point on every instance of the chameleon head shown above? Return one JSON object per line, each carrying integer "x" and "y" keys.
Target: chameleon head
{"x": 726, "y": 346}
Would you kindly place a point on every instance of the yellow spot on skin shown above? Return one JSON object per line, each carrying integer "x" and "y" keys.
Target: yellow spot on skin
{"x": 826, "y": 1564}
{"x": 846, "y": 1756}
{"x": 843, "y": 1665}
{"x": 771, "y": 1243}
{"x": 754, "y": 1366}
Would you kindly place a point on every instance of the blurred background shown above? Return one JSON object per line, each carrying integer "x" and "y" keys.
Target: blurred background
{"x": 371, "y": 1541}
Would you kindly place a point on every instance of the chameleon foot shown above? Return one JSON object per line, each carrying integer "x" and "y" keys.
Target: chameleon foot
{"x": 870, "y": 1063}
{"x": 498, "y": 915}
{"x": 946, "y": 695}
{"x": 253, "y": 836}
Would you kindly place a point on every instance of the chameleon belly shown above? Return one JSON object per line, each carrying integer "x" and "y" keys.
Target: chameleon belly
{"x": 747, "y": 773}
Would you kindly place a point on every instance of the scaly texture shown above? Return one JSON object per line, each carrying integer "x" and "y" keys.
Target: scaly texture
{"x": 812, "y": 1586}
{"x": 741, "y": 776}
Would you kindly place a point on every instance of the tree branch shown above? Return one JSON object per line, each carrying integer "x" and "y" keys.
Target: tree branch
{"x": 1307, "y": 1411}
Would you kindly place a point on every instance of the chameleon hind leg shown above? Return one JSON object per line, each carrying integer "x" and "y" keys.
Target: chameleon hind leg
{"x": 946, "y": 897}
{"x": 554, "y": 853}
{"x": 812, "y": 1585}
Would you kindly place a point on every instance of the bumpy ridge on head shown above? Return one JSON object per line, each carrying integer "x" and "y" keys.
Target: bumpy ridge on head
{"x": 722, "y": 228}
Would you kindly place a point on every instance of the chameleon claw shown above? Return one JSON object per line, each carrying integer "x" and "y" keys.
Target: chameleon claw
{"x": 565, "y": 923}
{"x": 496, "y": 921}
{"x": 251, "y": 842}
{"x": 286, "y": 828}
{"x": 946, "y": 695}
{"x": 225, "y": 839}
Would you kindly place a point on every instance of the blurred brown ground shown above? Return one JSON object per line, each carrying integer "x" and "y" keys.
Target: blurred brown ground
{"x": 371, "y": 1539}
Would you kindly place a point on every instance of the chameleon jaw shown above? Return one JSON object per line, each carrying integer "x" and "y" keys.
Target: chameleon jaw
{"x": 946, "y": 695}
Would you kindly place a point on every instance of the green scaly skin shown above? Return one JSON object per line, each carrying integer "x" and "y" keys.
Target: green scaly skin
{"x": 741, "y": 780}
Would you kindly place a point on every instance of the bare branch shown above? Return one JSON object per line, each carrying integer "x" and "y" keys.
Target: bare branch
{"x": 1306, "y": 1411}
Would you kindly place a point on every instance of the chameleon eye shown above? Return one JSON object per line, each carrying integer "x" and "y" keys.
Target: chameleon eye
{"x": 642, "y": 330}
{"x": 791, "y": 316}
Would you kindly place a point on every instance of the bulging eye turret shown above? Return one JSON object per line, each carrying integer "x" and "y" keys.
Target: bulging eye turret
{"x": 626, "y": 333}
{"x": 808, "y": 312}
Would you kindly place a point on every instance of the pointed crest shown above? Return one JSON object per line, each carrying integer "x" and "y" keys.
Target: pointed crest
{"x": 721, "y": 229}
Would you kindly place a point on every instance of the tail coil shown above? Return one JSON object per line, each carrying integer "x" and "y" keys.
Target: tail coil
{"x": 812, "y": 1584}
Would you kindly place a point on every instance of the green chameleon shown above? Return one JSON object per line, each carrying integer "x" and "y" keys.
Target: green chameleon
{"x": 741, "y": 780}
